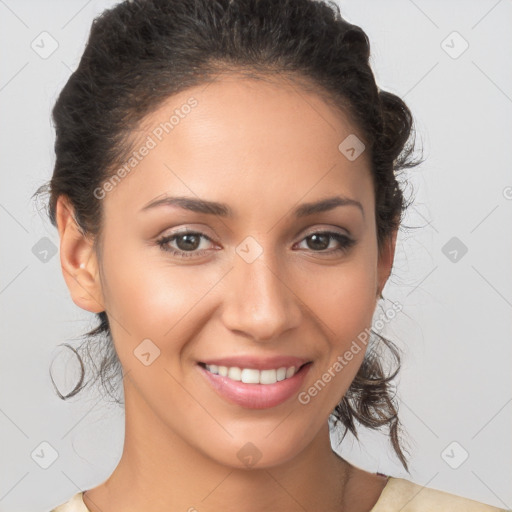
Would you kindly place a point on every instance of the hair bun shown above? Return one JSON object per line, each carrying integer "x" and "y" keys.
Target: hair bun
{"x": 357, "y": 41}
{"x": 396, "y": 124}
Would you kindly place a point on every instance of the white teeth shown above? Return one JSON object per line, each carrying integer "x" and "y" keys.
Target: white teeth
{"x": 268, "y": 376}
{"x": 251, "y": 375}
{"x": 290, "y": 372}
{"x": 235, "y": 373}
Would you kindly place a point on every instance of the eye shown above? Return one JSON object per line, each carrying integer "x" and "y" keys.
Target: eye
{"x": 187, "y": 242}
{"x": 320, "y": 241}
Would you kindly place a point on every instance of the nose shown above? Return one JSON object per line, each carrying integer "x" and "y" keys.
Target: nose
{"x": 260, "y": 302}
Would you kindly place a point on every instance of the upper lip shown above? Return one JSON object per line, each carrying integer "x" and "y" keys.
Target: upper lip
{"x": 258, "y": 362}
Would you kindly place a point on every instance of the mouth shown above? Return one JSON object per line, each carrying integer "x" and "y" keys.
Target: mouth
{"x": 254, "y": 388}
{"x": 253, "y": 375}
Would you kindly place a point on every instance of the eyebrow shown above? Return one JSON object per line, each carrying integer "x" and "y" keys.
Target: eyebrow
{"x": 223, "y": 210}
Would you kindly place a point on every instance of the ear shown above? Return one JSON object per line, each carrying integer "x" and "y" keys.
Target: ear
{"x": 78, "y": 260}
{"x": 385, "y": 263}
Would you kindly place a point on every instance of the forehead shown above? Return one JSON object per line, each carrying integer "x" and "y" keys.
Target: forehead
{"x": 269, "y": 108}
{"x": 244, "y": 136}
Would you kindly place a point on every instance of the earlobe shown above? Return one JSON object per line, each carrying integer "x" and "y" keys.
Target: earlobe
{"x": 78, "y": 260}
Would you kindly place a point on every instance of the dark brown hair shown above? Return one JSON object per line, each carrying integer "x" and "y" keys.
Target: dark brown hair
{"x": 141, "y": 52}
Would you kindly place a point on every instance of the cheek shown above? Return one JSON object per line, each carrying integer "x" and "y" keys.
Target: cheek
{"x": 345, "y": 301}
{"x": 355, "y": 302}
{"x": 345, "y": 308}
{"x": 343, "y": 298}
{"x": 148, "y": 297}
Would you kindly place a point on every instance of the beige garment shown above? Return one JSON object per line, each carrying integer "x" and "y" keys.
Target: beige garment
{"x": 405, "y": 496}
{"x": 399, "y": 495}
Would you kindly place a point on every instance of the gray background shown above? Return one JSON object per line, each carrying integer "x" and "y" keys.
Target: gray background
{"x": 455, "y": 328}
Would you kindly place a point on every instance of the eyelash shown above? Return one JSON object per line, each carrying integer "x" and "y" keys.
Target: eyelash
{"x": 345, "y": 243}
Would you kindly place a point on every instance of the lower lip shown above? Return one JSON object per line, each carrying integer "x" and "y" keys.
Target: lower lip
{"x": 256, "y": 396}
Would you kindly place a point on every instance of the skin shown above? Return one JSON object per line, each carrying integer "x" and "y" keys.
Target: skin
{"x": 263, "y": 148}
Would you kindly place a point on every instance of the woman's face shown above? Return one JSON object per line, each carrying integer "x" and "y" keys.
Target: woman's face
{"x": 252, "y": 286}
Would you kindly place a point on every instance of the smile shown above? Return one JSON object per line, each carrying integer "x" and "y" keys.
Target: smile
{"x": 252, "y": 388}
{"x": 251, "y": 375}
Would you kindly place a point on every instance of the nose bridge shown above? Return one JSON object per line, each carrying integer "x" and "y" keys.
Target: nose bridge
{"x": 260, "y": 302}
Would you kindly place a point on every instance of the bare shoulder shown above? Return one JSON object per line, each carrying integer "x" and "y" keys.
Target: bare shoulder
{"x": 406, "y": 496}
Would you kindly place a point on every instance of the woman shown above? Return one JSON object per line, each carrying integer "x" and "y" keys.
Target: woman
{"x": 226, "y": 197}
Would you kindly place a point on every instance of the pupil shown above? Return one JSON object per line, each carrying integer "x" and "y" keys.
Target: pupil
{"x": 191, "y": 242}
{"x": 187, "y": 240}
{"x": 316, "y": 237}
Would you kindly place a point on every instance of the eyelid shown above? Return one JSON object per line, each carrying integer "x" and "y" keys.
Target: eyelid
{"x": 200, "y": 229}
{"x": 327, "y": 228}
{"x": 190, "y": 229}
{"x": 345, "y": 241}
